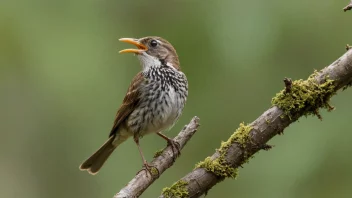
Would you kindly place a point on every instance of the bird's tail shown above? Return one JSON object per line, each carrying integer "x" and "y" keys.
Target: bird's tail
{"x": 97, "y": 160}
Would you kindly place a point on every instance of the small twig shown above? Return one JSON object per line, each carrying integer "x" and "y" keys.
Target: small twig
{"x": 288, "y": 85}
{"x": 348, "y": 47}
{"x": 348, "y": 7}
{"x": 264, "y": 147}
{"x": 318, "y": 115}
{"x": 164, "y": 160}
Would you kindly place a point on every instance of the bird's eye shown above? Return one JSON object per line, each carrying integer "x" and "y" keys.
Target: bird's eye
{"x": 153, "y": 43}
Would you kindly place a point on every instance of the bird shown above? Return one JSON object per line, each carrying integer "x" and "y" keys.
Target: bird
{"x": 153, "y": 103}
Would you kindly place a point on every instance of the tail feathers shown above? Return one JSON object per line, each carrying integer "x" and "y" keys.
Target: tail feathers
{"x": 97, "y": 160}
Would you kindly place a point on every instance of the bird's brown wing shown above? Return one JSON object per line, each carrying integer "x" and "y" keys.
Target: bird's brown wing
{"x": 129, "y": 102}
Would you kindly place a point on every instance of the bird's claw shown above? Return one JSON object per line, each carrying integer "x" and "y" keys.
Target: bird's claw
{"x": 175, "y": 146}
{"x": 152, "y": 170}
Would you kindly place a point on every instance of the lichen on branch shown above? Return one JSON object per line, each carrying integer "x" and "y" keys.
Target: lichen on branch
{"x": 315, "y": 91}
{"x": 178, "y": 190}
{"x": 306, "y": 96}
{"x": 158, "y": 153}
{"x": 219, "y": 166}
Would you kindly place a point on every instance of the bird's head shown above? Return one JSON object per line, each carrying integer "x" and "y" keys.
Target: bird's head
{"x": 153, "y": 51}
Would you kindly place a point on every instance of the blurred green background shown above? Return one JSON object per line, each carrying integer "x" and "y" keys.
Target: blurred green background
{"x": 62, "y": 80}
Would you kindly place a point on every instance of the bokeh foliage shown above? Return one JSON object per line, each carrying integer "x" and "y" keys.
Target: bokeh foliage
{"x": 62, "y": 79}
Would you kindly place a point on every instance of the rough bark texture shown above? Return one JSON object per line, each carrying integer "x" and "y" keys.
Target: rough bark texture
{"x": 270, "y": 123}
{"x": 162, "y": 162}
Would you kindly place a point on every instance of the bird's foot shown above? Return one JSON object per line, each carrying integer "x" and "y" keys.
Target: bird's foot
{"x": 152, "y": 170}
{"x": 175, "y": 146}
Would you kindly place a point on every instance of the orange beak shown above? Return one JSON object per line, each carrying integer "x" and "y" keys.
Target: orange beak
{"x": 141, "y": 48}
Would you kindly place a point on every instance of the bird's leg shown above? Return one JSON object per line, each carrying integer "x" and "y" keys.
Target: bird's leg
{"x": 175, "y": 146}
{"x": 147, "y": 167}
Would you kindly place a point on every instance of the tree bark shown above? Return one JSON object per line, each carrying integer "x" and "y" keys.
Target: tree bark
{"x": 162, "y": 161}
{"x": 270, "y": 123}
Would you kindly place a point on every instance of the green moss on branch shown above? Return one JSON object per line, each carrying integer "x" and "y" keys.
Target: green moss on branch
{"x": 219, "y": 166}
{"x": 158, "y": 153}
{"x": 306, "y": 96}
{"x": 178, "y": 190}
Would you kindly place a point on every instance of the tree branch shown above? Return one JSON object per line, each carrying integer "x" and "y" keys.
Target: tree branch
{"x": 162, "y": 161}
{"x": 348, "y": 7}
{"x": 248, "y": 140}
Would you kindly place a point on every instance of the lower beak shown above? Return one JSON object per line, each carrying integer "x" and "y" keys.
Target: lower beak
{"x": 141, "y": 48}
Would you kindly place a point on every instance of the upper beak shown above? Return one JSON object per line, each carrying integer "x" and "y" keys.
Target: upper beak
{"x": 141, "y": 48}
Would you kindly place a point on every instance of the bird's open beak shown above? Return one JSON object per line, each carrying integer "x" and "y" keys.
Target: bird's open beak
{"x": 141, "y": 48}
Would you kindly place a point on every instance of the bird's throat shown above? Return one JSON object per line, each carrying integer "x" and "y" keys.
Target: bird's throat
{"x": 147, "y": 61}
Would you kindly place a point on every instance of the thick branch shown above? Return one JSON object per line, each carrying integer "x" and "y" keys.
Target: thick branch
{"x": 270, "y": 123}
{"x": 163, "y": 161}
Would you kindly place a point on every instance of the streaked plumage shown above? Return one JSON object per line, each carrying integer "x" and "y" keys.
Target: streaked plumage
{"x": 154, "y": 100}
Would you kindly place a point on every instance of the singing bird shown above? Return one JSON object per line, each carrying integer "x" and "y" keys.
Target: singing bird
{"x": 153, "y": 103}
